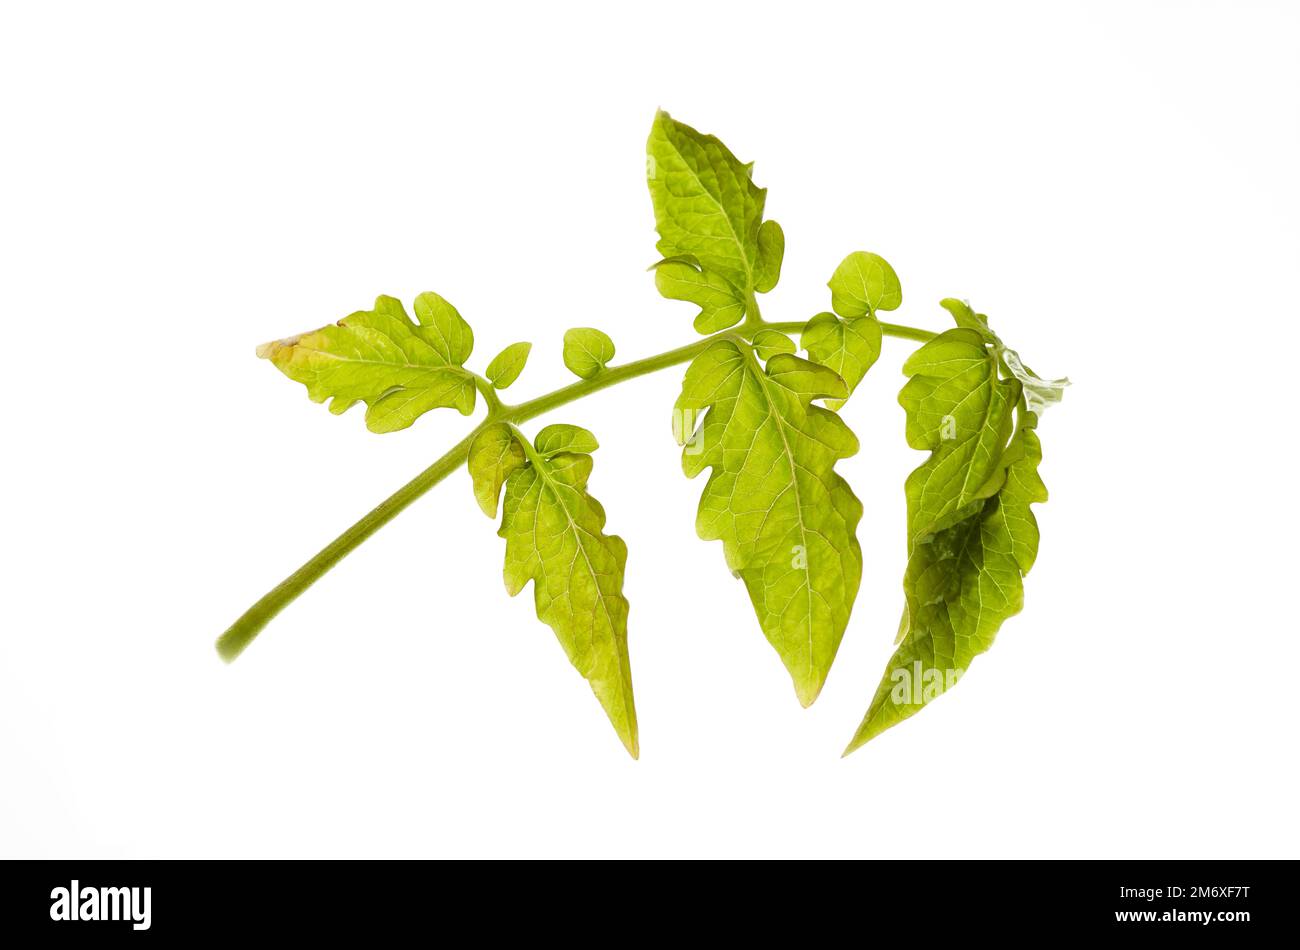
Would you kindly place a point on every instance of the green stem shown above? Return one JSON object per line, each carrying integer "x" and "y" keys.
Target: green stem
{"x": 611, "y": 376}
{"x": 489, "y": 393}
{"x": 250, "y": 624}
{"x": 242, "y": 632}
{"x": 907, "y": 333}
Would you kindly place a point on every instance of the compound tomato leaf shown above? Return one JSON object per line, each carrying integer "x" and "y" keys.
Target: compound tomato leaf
{"x": 554, "y": 532}
{"x": 786, "y": 519}
{"x": 399, "y": 369}
{"x": 762, "y": 420}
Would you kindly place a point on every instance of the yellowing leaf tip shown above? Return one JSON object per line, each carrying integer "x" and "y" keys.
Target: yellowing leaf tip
{"x": 266, "y": 351}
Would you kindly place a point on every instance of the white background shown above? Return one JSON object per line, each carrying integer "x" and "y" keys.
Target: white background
{"x": 1115, "y": 185}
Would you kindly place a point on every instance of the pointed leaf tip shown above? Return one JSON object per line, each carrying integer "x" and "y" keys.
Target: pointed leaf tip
{"x": 555, "y": 539}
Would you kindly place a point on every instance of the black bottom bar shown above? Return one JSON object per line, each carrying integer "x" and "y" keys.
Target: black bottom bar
{"x": 920, "y": 902}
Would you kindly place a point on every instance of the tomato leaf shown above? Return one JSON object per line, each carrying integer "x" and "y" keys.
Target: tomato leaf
{"x": 785, "y": 518}
{"x": 508, "y": 364}
{"x": 721, "y": 306}
{"x": 849, "y": 347}
{"x": 586, "y": 351}
{"x": 554, "y": 532}
{"x": 399, "y": 369}
{"x": 709, "y": 214}
{"x": 864, "y": 283}
{"x": 971, "y": 533}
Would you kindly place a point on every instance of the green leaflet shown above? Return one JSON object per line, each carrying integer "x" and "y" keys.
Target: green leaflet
{"x": 564, "y": 438}
{"x": 971, "y": 534}
{"x": 771, "y": 251}
{"x": 442, "y": 325}
{"x": 850, "y": 342}
{"x": 785, "y": 518}
{"x": 400, "y": 369}
{"x": 508, "y": 364}
{"x": 718, "y": 250}
{"x": 554, "y": 537}
{"x": 849, "y": 347}
{"x": 681, "y": 279}
{"x": 1039, "y": 394}
{"x": 964, "y": 316}
{"x": 864, "y": 283}
{"x": 768, "y": 343}
{"x": 958, "y": 408}
{"x": 586, "y": 351}
{"x": 494, "y": 454}
{"x": 961, "y": 584}
{"x": 706, "y": 204}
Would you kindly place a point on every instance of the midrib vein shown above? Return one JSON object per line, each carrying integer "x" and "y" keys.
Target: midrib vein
{"x": 547, "y": 481}
{"x": 764, "y": 382}
{"x": 749, "y": 274}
